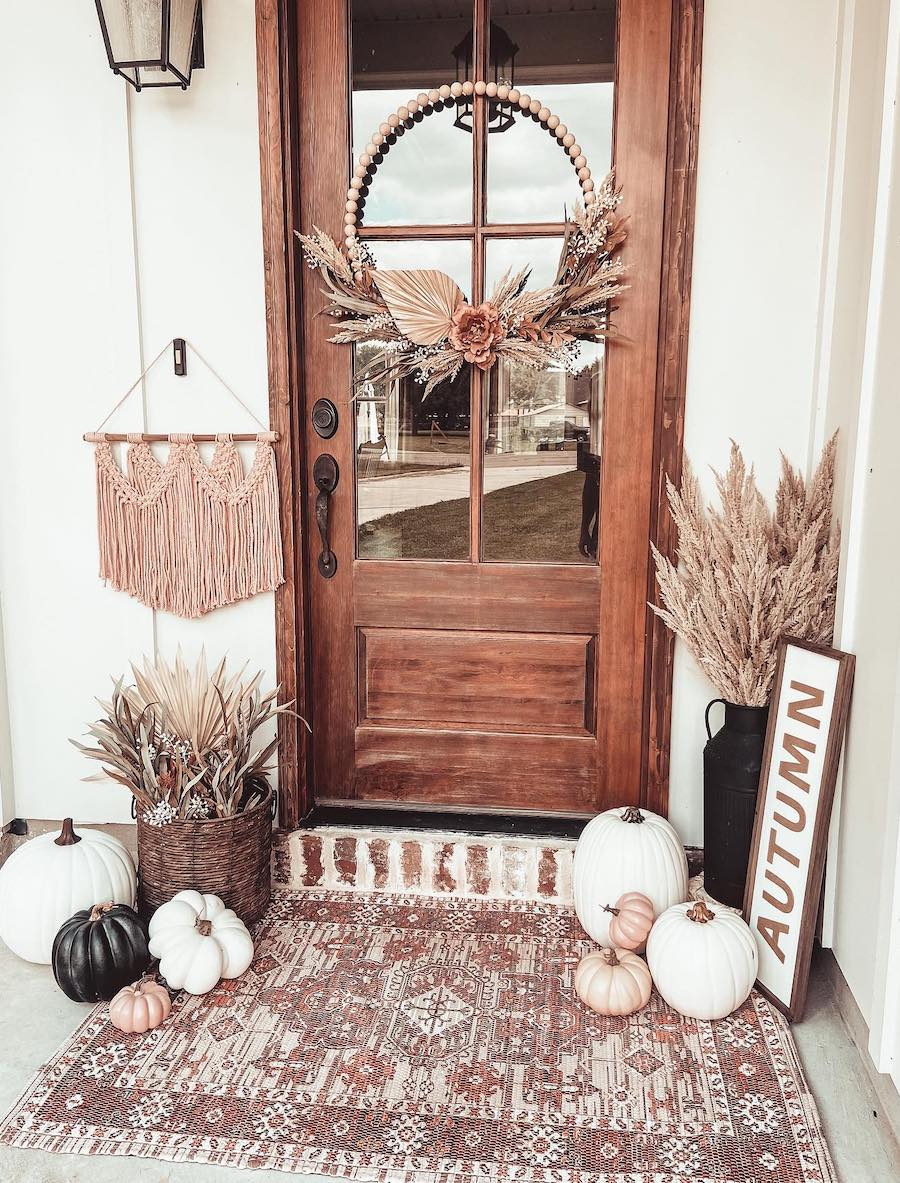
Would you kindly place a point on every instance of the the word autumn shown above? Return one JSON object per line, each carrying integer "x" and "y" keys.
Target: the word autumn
{"x": 792, "y": 815}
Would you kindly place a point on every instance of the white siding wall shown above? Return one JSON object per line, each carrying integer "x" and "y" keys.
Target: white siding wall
{"x": 113, "y": 239}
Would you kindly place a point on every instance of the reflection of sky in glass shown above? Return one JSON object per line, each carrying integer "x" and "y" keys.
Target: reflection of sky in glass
{"x": 426, "y": 177}
{"x": 529, "y": 175}
{"x": 453, "y": 257}
{"x": 512, "y": 254}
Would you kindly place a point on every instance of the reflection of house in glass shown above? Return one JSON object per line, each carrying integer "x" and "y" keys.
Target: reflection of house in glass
{"x": 547, "y": 411}
{"x": 412, "y": 454}
{"x": 542, "y": 431}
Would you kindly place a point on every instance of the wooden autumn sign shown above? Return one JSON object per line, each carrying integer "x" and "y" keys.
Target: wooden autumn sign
{"x": 807, "y": 719}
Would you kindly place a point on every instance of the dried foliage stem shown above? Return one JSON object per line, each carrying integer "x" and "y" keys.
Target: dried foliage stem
{"x": 422, "y": 326}
{"x": 182, "y": 741}
{"x": 747, "y": 576}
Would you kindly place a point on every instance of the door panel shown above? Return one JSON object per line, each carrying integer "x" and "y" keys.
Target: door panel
{"x": 532, "y": 682}
{"x": 471, "y": 769}
{"x": 481, "y": 643}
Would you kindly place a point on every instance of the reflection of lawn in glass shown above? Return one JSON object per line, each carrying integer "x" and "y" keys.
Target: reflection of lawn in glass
{"x": 534, "y": 522}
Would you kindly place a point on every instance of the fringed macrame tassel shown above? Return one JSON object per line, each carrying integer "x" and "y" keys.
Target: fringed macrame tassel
{"x": 186, "y": 537}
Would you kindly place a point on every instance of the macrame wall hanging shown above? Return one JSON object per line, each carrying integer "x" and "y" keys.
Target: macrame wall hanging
{"x": 182, "y": 535}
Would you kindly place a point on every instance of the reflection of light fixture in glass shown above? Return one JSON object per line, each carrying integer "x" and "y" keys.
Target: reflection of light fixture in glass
{"x": 501, "y": 69}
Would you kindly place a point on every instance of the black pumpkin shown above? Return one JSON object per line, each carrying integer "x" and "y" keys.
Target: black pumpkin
{"x": 100, "y": 950}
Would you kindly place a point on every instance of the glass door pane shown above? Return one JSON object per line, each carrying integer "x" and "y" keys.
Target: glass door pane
{"x": 542, "y": 435}
{"x": 413, "y": 461}
{"x": 402, "y": 48}
{"x": 565, "y": 57}
{"x": 542, "y": 462}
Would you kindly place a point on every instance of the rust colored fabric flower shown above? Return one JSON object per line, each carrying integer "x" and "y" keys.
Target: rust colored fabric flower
{"x": 475, "y": 332}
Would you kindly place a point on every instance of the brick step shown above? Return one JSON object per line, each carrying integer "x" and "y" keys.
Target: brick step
{"x": 426, "y": 862}
{"x": 432, "y": 862}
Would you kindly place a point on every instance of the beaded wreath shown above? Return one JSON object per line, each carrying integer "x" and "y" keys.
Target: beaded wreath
{"x": 421, "y": 320}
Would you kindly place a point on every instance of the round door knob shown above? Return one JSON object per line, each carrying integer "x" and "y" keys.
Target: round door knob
{"x": 324, "y": 418}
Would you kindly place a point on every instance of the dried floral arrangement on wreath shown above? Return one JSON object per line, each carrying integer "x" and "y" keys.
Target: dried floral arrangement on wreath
{"x": 424, "y": 326}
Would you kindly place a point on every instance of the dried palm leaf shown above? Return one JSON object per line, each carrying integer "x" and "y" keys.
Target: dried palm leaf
{"x": 422, "y": 303}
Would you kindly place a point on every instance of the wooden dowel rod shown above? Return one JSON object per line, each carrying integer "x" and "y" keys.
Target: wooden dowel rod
{"x": 245, "y": 437}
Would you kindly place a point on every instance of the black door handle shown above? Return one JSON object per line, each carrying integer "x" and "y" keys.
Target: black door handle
{"x": 325, "y": 476}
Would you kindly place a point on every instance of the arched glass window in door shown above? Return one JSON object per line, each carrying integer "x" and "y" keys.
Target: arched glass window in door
{"x": 501, "y": 466}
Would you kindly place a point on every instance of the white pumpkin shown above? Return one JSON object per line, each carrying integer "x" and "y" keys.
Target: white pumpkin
{"x": 198, "y": 941}
{"x": 626, "y": 850}
{"x": 50, "y": 878}
{"x": 703, "y": 959}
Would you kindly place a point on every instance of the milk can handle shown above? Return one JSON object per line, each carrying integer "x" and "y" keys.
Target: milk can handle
{"x": 708, "y": 706}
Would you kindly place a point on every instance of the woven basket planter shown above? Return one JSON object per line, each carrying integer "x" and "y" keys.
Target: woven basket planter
{"x": 229, "y": 857}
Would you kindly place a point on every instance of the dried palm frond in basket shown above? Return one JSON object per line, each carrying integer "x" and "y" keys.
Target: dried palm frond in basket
{"x": 747, "y": 576}
{"x": 187, "y": 743}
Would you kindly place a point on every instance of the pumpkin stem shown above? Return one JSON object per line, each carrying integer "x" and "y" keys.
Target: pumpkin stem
{"x": 609, "y": 908}
{"x": 67, "y": 835}
{"x": 98, "y": 910}
{"x": 632, "y": 814}
{"x": 700, "y": 914}
{"x": 609, "y": 956}
{"x": 204, "y": 927}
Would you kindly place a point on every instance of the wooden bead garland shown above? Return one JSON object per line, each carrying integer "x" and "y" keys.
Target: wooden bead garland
{"x": 423, "y": 104}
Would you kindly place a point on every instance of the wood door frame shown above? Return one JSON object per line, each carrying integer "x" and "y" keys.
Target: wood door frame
{"x": 276, "y": 33}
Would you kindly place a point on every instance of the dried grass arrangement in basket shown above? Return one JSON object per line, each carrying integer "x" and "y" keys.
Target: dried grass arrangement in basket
{"x": 189, "y": 745}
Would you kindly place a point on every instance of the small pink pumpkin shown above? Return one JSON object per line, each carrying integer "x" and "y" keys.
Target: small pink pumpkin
{"x": 140, "y": 1007}
{"x": 633, "y": 917}
{"x": 613, "y": 982}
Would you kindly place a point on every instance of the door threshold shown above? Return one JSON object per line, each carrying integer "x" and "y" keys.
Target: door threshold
{"x": 332, "y": 812}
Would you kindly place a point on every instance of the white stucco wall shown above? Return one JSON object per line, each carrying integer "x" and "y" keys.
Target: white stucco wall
{"x": 862, "y": 908}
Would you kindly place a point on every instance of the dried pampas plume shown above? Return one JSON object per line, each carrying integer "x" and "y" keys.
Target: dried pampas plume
{"x": 748, "y": 576}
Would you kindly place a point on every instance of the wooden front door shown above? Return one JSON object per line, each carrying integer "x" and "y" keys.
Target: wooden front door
{"x": 482, "y": 642}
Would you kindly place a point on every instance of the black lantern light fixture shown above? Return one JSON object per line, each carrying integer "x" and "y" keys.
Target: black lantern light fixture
{"x": 501, "y": 69}
{"x": 152, "y": 42}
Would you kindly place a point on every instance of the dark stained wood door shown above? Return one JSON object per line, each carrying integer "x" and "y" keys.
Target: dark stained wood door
{"x": 482, "y": 644}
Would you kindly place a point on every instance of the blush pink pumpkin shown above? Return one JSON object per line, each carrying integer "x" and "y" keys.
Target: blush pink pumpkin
{"x": 141, "y": 1007}
{"x": 613, "y": 982}
{"x": 632, "y": 919}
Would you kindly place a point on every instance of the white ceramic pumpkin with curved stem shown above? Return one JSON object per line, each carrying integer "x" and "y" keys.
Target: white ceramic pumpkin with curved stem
{"x": 198, "y": 941}
{"x": 626, "y": 850}
{"x": 50, "y": 878}
{"x": 703, "y": 959}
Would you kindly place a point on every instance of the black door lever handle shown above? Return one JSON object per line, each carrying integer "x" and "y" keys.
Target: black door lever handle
{"x": 325, "y": 477}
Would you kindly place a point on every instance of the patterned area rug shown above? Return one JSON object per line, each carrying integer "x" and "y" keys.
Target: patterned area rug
{"x": 432, "y": 1040}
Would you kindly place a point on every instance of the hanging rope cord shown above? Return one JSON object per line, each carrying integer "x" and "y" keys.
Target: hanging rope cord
{"x": 98, "y": 436}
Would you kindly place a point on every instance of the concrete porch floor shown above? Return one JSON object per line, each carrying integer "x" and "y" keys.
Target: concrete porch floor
{"x": 37, "y": 1018}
